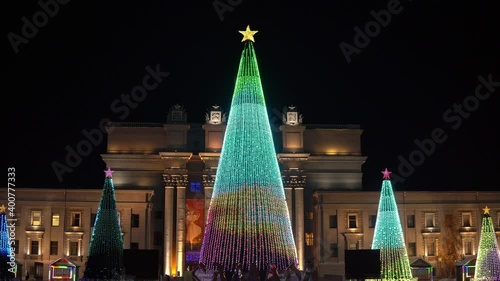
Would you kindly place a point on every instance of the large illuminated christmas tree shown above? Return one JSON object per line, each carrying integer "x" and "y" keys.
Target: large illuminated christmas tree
{"x": 248, "y": 218}
{"x": 488, "y": 255}
{"x": 6, "y": 268}
{"x": 388, "y": 237}
{"x": 105, "y": 260}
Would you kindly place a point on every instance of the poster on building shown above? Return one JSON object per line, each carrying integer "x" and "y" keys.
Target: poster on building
{"x": 195, "y": 221}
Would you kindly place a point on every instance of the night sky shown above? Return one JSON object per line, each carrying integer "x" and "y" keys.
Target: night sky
{"x": 406, "y": 83}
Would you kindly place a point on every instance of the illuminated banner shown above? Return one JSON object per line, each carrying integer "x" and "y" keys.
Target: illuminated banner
{"x": 195, "y": 221}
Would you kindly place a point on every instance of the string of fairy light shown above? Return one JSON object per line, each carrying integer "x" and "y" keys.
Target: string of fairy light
{"x": 106, "y": 242}
{"x": 488, "y": 254}
{"x": 248, "y": 220}
{"x": 388, "y": 237}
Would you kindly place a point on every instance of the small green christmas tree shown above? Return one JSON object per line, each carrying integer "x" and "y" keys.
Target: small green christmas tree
{"x": 105, "y": 260}
{"x": 6, "y": 270}
{"x": 488, "y": 255}
{"x": 389, "y": 238}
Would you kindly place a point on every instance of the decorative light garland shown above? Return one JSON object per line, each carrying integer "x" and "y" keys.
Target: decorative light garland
{"x": 488, "y": 255}
{"x": 248, "y": 220}
{"x": 6, "y": 257}
{"x": 388, "y": 237}
{"x": 105, "y": 260}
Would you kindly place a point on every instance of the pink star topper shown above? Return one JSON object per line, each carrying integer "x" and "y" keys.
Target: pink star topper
{"x": 386, "y": 174}
{"x": 109, "y": 173}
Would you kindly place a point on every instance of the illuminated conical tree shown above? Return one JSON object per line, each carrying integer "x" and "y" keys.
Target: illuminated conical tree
{"x": 105, "y": 260}
{"x": 488, "y": 255}
{"x": 248, "y": 218}
{"x": 6, "y": 270}
{"x": 388, "y": 237}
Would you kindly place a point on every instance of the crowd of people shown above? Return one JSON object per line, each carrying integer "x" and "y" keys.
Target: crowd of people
{"x": 237, "y": 273}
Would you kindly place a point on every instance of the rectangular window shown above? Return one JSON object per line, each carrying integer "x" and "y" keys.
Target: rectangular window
{"x": 92, "y": 219}
{"x": 134, "y": 246}
{"x": 34, "y": 248}
{"x": 73, "y": 248}
{"x": 352, "y": 220}
{"x": 334, "y": 249}
{"x": 410, "y": 221}
{"x": 431, "y": 248}
{"x": 16, "y": 245}
{"x": 373, "y": 221}
{"x": 158, "y": 238}
{"x": 55, "y": 219}
{"x": 54, "y": 245}
{"x": 466, "y": 219}
{"x": 429, "y": 220}
{"x": 310, "y": 216}
{"x": 36, "y": 218}
{"x": 333, "y": 221}
{"x": 76, "y": 219}
{"x": 134, "y": 220}
{"x": 412, "y": 249}
{"x": 309, "y": 239}
{"x": 195, "y": 187}
{"x": 467, "y": 247}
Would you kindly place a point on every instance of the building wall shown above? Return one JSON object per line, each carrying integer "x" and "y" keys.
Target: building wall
{"x": 424, "y": 229}
{"x": 64, "y": 203}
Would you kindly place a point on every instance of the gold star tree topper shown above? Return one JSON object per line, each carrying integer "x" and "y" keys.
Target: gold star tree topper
{"x": 248, "y": 34}
{"x": 486, "y": 210}
{"x": 2, "y": 209}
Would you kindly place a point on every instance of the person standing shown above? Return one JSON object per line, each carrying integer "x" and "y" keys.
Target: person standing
{"x": 27, "y": 275}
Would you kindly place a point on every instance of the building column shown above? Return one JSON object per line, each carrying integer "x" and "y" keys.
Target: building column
{"x": 79, "y": 247}
{"x": 29, "y": 246}
{"x": 181, "y": 228}
{"x": 319, "y": 240}
{"x": 67, "y": 246}
{"x": 168, "y": 225}
{"x": 299, "y": 225}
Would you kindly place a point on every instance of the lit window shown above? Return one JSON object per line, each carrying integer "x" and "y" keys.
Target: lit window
{"x": 466, "y": 219}
{"x": 76, "y": 219}
{"x": 429, "y": 220}
{"x": 36, "y": 218}
{"x": 309, "y": 239}
{"x": 55, "y": 219}
{"x": 352, "y": 220}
